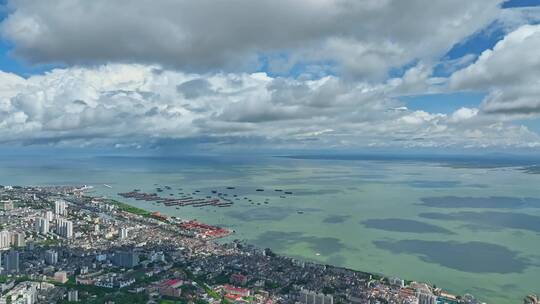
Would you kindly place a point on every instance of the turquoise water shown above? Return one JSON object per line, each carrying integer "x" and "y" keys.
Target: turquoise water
{"x": 471, "y": 227}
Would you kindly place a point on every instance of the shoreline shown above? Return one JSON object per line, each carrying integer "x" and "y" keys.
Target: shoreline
{"x": 375, "y": 276}
{"x": 126, "y": 206}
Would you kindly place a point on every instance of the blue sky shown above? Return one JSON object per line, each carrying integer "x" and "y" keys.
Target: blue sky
{"x": 520, "y": 3}
{"x": 323, "y": 83}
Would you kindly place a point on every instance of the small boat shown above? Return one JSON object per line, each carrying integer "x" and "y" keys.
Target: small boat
{"x": 260, "y": 190}
{"x": 108, "y": 186}
{"x": 300, "y": 212}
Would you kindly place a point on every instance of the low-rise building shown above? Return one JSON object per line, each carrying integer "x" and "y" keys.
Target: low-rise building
{"x": 171, "y": 288}
{"x": 237, "y": 291}
{"x": 60, "y": 276}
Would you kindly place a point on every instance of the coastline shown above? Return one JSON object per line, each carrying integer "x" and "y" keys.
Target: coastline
{"x": 450, "y": 298}
{"x": 360, "y": 251}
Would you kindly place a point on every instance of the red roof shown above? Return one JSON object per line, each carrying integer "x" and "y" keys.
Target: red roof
{"x": 171, "y": 282}
{"x": 233, "y": 297}
{"x": 235, "y": 289}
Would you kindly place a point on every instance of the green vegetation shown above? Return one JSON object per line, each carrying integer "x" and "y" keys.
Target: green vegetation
{"x": 271, "y": 285}
{"x": 51, "y": 242}
{"x": 3, "y": 278}
{"x": 328, "y": 290}
{"x": 93, "y": 294}
{"x": 221, "y": 279}
{"x": 170, "y": 302}
{"x": 128, "y": 208}
{"x": 141, "y": 278}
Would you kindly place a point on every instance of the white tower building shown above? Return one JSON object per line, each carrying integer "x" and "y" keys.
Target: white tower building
{"x": 60, "y": 207}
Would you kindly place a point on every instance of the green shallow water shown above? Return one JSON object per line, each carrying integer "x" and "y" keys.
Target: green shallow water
{"x": 365, "y": 215}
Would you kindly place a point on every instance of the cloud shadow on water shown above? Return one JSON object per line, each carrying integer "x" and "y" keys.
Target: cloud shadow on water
{"x": 474, "y": 257}
{"x": 490, "y": 219}
{"x": 336, "y": 219}
{"x": 266, "y": 213}
{"x": 403, "y": 225}
{"x": 496, "y": 202}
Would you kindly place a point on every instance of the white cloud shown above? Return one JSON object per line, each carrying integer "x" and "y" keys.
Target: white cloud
{"x": 359, "y": 38}
{"x": 134, "y": 105}
{"x": 463, "y": 114}
{"x": 510, "y": 72}
{"x": 165, "y": 70}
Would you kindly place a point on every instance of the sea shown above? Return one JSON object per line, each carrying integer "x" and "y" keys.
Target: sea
{"x": 468, "y": 224}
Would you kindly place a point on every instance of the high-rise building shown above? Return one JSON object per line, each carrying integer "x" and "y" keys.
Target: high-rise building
{"x": 22, "y": 293}
{"x": 51, "y": 257}
{"x": 311, "y": 297}
{"x": 127, "y": 259}
{"x": 531, "y": 299}
{"x": 64, "y": 228}
{"x": 5, "y": 240}
{"x": 11, "y": 261}
{"x": 73, "y": 296}
{"x": 60, "y": 207}
{"x": 42, "y": 225}
{"x": 49, "y": 215}
{"x": 426, "y": 298}
{"x": 123, "y": 233}
{"x": 6, "y": 205}
{"x": 18, "y": 239}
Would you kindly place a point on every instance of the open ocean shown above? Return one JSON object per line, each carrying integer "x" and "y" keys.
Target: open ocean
{"x": 469, "y": 225}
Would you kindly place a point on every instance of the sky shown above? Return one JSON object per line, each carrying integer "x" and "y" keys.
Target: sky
{"x": 270, "y": 74}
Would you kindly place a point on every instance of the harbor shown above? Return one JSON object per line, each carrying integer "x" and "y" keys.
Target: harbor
{"x": 196, "y": 198}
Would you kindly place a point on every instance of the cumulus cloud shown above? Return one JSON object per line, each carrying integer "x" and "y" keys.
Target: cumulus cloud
{"x": 357, "y": 38}
{"x": 130, "y": 105}
{"x": 160, "y": 72}
{"x": 509, "y": 71}
{"x": 192, "y": 89}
